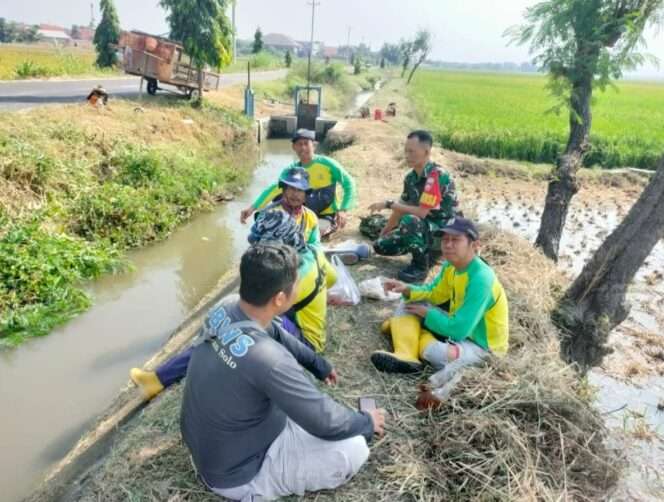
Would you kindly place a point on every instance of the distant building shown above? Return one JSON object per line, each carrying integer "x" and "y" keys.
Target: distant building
{"x": 279, "y": 42}
{"x": 53, "y": 33}
{"x": 304, "y": 48}
{"x": 330, "y": 52}
{"x": 84, "y": 33}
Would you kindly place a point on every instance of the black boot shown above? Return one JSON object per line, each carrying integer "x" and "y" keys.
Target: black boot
{"x": 418, "y": 269}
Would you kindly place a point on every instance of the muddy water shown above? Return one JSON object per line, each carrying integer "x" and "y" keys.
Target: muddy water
{"x": 51, "y": 389}
{"x": 628, "y": 406}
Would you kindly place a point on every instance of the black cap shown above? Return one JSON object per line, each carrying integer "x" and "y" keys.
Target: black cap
{"x": 304, "y": 134}
{"x": 461, "y": 226}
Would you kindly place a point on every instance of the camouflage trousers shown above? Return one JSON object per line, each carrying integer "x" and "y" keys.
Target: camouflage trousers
{"x": 413, "y": 235}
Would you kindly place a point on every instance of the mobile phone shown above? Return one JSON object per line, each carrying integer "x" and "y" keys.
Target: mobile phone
{"x": 367, "y": 404}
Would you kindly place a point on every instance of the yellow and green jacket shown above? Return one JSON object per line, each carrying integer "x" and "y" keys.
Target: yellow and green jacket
{"x": 324, "y": 176}
{"x": 311, "y": 318}
{"x": 478, "y": 305}
{"x": 306, "y": 220}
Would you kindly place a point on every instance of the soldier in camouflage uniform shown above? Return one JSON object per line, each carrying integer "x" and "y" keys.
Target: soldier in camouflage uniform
{"x": 428, "y": 202}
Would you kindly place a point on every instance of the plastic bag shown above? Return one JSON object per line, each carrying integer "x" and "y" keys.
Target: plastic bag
{"x": 345, "y": 290}
{"x": 373, "y": 288}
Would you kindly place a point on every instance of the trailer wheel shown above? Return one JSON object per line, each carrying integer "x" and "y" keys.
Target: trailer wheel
{"x": 194, "y": 94}
{"x": 153, "y": 85}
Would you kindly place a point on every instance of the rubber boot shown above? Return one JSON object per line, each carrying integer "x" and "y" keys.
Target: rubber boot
{"x": 147, "y": 381}
{"x": 405, "y": 340}
{"x": 418, "y": 269}
{"x": 385, "y": 328}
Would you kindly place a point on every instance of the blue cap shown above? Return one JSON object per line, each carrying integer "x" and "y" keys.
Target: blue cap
{"x": 461, "y": 226}
{"x": 296, "y": 177}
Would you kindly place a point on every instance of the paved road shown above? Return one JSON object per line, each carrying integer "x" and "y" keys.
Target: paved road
{"x": 16, "y": 95}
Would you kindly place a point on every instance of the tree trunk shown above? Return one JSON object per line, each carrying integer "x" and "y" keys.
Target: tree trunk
{"x": 414, "y": 69}
{"x": 563, "y": 185}
{"x": 596, "y": 303}
{"x": 200, "y": 84}
{"x": 404, "y": 67}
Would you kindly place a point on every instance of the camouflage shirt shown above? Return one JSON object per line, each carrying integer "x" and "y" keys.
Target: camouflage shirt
{"x": 434, "y": 189}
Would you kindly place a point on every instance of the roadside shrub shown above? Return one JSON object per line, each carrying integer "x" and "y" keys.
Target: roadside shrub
{"x": 137, "y": 167}
{"x": 29, "y": 69}
{"x": 264, "y": 60}
{"x": 151, "y": 193}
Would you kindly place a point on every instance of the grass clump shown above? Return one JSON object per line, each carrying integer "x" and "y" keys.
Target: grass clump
{"x": 40, "y": 275}
{"x": 339, "y": 85}
{"x": 505, "y": 116}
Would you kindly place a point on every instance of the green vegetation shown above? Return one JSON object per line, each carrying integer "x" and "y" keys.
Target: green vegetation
{"x": 25, "y": 61}
{"x": 261, "y": 61}
{"x": 339, "y": 86}
{"x": 107, "y": 35}
{"x": 76, "y": 192}
{"x": 505, "y": 116}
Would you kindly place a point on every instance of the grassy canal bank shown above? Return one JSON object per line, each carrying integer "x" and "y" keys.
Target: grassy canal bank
{"x": 79, "y": 186}
{"x": 520, "y": 428}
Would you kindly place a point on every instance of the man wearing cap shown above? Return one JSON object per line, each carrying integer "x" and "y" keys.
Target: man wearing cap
{"x": 473, "y": 320}
{"x": 294, "y": 185}
{"x": 427, "y": 202}
{"x": 324, "y": 176}
{"x": 305, "y": 319}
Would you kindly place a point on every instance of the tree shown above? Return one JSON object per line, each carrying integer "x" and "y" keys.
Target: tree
{"x": 258, "y": 41}
{"x": 106, "y": 34}
{"x": 7, "y": 31}
{"x": 406, "y": 48}
{"x": 421, "y": 50}
{"x": 382, "y": 62}
{"x": 595, "y": 303}
{"x": 75, "y": 32}
{"x": 583, "y": 45}
{"x": 288, "y": 59}
{"x": 28, "y": 35}
{"x": 203, "y": 29}
{"x": 357, "y": 65}
{"x": 391, "y": 53}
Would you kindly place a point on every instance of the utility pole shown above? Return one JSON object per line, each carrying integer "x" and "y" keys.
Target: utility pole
{"x": 348, "y": 45}
{"x": 234, "y": 34}
{"x": 92, "y": 16}
{"x": 313, "y": 4}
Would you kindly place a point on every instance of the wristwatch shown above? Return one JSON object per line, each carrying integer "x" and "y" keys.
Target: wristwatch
{"x": 389, "y": 203}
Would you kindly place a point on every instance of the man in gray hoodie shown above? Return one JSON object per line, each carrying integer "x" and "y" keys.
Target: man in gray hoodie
{"x": 255, "y": 424}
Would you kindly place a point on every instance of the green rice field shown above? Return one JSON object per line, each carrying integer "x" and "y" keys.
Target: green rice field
{"x": 505, "y": 116}
{"x": 41, "y": 61}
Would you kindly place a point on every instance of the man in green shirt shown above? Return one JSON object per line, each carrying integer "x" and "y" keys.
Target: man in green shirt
{"x": 472, "y": 323}
{"x": 324, "y": 176}
{"x": 428, "y": 201}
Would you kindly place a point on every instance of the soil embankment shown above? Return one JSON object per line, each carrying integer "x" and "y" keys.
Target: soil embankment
{"x": 80, "y": 185}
